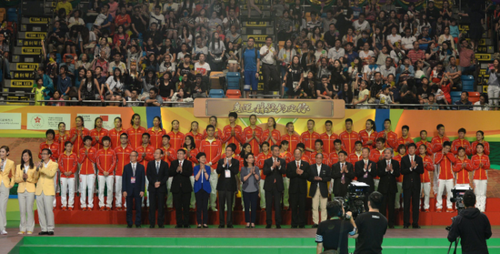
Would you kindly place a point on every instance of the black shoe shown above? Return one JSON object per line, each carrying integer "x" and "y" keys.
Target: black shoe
{"x": 405, "y": 226}
{"x": 221, "y": 226}
{"x": 416, "y": 226}
{"x": 178, "y": 226}
{"x": 43, "y": 233}
{"x": 205, "y": 226}
{"x": 230, "y": 226}
{"x": 161, "y": 226}
{"x": 199, "y": 226}
{"x": 302, "y": 226}
{"x": 315, "y": 226}
{"x": 391, "y": 226}
{"x": 151, "y": 226}
{"x": 50, "y": 233}
{"x": 129, "y": 226}
{"x": 294, "y": 226}
{"x": 278, "y": 226}
{"x": 137, "y": 226}
{"x": 187, "y": 226}
{"x": 268, "y": 226}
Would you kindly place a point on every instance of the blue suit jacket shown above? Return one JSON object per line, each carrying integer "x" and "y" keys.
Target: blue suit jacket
{"x": 140, "y": 180}
{"x": 206, "y": 183}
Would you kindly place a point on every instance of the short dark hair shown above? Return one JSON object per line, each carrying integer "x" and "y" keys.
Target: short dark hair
{"x": 405, "y": 127}
{"x": 165, "y": 136}
{"x": 67, "y": 142}
{"x": 178, "y": 150}
{"x": 329, "y": 121}
{"x": 412, "y": 145}
{"x": 334, "y": 208}
{"x": 233, "y": 114}
{"x": 343, "y": 152}
{"x": 337, "y": 141}
{"x": 232, "y": 146}
{"x": 301, "y": 145}
{"x": 273, "y": 146}
{"x": 199, "y": 155}
{"x": 439, "y": 126}
{"x": 87, "y": 138}
{"x": 375, "y": 200}
{"x": 462, "y": 130}
{"x": 50, "y": 131}
{"x": 402, "y": 146}
{"x": 387, "y": 120}
{"x": 423, "y": 131}
{"x": 146, "y": 134}
{"x": 348, "y": 120}
{"x": 358, "y": 142}
{"x": 446, "y": 143}
{"x": 106, "y": 138}
{"x": 318, "y": 141}
{"x": 469, "y": 198}
{"x": 210, "y": 126}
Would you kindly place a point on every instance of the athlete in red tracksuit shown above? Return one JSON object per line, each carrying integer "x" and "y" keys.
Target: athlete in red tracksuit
{"x": 50, "y": 144}
{"x": 357, "y": 154}
{"x": 176, "y": 137}
{"x": 212, "y": 148}
{"x": 98, "y": 133}
{"x": 328, "y": 137}
{"x": 480, "y": 165}
{"x": 423, "y": 141}
{"x": 390, "y": 136}
{"x": 77, "y": 133}
{"x": 291, "y": 136}
{"x": 87, "y": 160}
{"x": 309, "y": 137}
{"x": 425, "y": 180}
{"x": 274, "y": 138}
{"x": 156, "y": 133}
{"x": 62, "y": 136}
{"x": 106, "y": 163}
{"x": 368, "y": 136}
{"x": 195, "y": 133}
{"x": 114, "y": 134}
{"x": 253, "y": 135}
{"x": 348, "y": 137}
{"x": 68, "y": 164}
{"x": 480, "y": 140}
{"x": 333, "y": 157}
{"x": 461, "y": 142}
{"x": 445, "y": 160}
{"x": 462, "y": 168}
{"x": 233, "y": 133}
{"x": 405, "y": 138}
{"x": 123, "y": 158}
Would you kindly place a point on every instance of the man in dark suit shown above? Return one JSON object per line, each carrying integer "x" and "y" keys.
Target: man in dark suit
{"x": 157, "y": 173}
{"x": 227, "y": 168}
{"x": 319, "y": 176}
{"x": 180, "y": 170}
{"x": 365, "y": 171}
{"x": 412, "y": 167}
{"x": 388, "y": 170}
{"x": 274, "y": 168}
{"x": 342, "y": 173}
{"x": 133, "y": 184}
{"x": 298, "y": 173}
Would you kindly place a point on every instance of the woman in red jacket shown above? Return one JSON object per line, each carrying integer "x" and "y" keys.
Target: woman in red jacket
{"x": 98, "y": 133}
{"x": 135, "y": 132}
{"x": 156, "y": 133}
{"x": 176, "y": 137}
{"x": 68, "y": 163}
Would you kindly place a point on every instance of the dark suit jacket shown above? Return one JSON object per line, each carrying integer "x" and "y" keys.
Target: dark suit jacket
{"x": 161, "y": 177}
{"x": 227, "y": 184}
{"x": 180, "y": 181}
{"x": 338, "y": 187}
{"x": 359, "y": 170}
{"x": 276, "y": 174}
{"x": 388, "y": 183}
{"x": 298, "y": 183}
{"x": 140, "y": 180}
{"x": 411, "y": 178}
{"x": 326, "y": 176}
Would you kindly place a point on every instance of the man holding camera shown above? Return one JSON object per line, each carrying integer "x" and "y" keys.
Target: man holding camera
{"x": 332, "y": 234}
{"x": 372, "y": 226}
{"x": 472, "y": 226}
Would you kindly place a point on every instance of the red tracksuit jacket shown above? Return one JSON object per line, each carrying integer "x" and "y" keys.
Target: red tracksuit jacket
{"x": 275, "y": 134}
{"x": 332, "y": 159}
{"x": 353, "y": 158}
{"x": 437, "y": 143}
{"x": 213, "y": 150}
{"x": 391, "y": 138}
{"x": 427, "y": 144}
{"x": 486, "y": 147}
{"x": 65, "y": 137}
{"x": 176, "y": 140}
{"x": 428, "y": 166}
{"x": 197, "y": 138}
{"x": 114, "y": 135}
{"x": 87, "y": 162}
{"x": 293, "y": 140}
{"x": 156, "y": 137}
{"x": 309, "y": 139}
{"x": 54, "y": 148}
{"x": 462, "y": 174}
{"x": 457, "y": 143}
{"x": 480, "y": 173}
{"x": 135, "y": 136}
{"x": 237, "y": 139}
{"x": 169, "y": 154}
{"x": 248, "y": 133}
{"x": 97, "y": 137}
{"x": 348, "y": 140}
{"x": 446, "y": 163}
{"x": 328, "y": 142}
{"x": 78, "y": 143}
{"x": 122, "y": 158}
{"x": 106, "y": 161}
{"x": 260, "y": 163}
{"x": 68, "y": 163}
{"x": 365, "y": 137}
{"x": 149, "y": 150}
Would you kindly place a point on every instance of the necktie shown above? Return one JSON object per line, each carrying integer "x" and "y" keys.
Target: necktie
{"x": 366, "y": 173}
{"x": 157, "y": 167}
{"x": 133, "y": 169}
{"x": 342, "y": 180}
{"x": 298, "y": 164}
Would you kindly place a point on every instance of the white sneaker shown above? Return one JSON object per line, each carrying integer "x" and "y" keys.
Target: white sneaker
{"x": 3, "y": 232}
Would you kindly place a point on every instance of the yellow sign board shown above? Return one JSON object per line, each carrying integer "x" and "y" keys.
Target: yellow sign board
{"x": 41, "y": 20}
{"x": 32, "y": 43}
{"x": 483, "y": 57}
{"x": 21, "y": 83}
{"x": 256, "y": 23}
{"x": 35, "y": 35}
{"x": 26, "y": 66}
{"x": 259, "y": 37}
{"x": 31, "y": 51}
{"x": 485, "y": 89}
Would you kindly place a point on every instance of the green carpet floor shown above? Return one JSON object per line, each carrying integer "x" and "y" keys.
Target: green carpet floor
{"x": 97, "y": 245}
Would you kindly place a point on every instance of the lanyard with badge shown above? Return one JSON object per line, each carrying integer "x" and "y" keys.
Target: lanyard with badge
{"x": 132, "y": 179}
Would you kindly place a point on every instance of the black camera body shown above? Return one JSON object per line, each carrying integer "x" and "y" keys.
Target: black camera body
{"x": 458, "y": 198}
{"x": 354, "y": 201}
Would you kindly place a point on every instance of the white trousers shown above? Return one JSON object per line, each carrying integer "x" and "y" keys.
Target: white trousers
{"x": 397, "y": 202}
{"x": 375, "y": 182}
{"x": 192, "y": 204}
{"x": 67, "y": 184}
{"x": 319, "y": 201}
{"x": 426, "y": 189}
{"x": 286, "y": 186}
{"x": 4, "y": 198}
{"x": 435, "y": 179}
{"x": 480, "y": 187}
{"x": 442, "y": 184}
{"x": 26, "y": 201}
{"x": 493, "y": 92}
{"x": 170, "y": 197}
{"x": 45, "y": 212}
{"x": 87, "y": 184}
{"x": 262, "y": 194}
{"x": 144, "y": 197}
{"x": 118, "y": 191}
{"x": 214, "y": 178}
{"x": 56, "y": 180}
{"x": 108, "y": 182}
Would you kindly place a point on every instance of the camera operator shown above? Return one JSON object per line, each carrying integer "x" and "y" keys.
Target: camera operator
{"x": 372, "y": 226}
{"x": 332, "y": 234}
{"x": 472, "y": 226}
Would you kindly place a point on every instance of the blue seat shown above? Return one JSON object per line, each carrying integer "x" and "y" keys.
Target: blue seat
{"x": 233, "y": 80}
{"x": 216, "y": 93}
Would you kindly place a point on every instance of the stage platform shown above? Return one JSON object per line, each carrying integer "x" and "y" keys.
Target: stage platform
{"x": 113, "y": 239}
{"x": 77, "y": 216}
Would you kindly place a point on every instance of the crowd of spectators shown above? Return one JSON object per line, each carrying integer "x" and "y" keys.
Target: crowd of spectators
{"x": 379, "y": 53}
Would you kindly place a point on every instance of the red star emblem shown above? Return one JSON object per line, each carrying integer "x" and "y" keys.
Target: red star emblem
{"x": 37, "y": 119}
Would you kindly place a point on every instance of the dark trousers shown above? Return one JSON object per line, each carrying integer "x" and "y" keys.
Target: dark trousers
{"x": 156, "y": 202}
{"x": 298, "y": 206}
{"x": 269, "y": 207}
{"x": 388, "y": 203}
{"x": 181, "y": 202}
{"x": 226, "y": 198}
{"x": 412, "y": 196}
{"x": 130, "y": 205}
{"x": 202, "y": 206}
{"x": 270, "y": 72}
{"x": 250, "y": 200}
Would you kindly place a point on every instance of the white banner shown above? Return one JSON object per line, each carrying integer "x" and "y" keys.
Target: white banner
{"x": 107, "y": 120}
{"x": 39, "y": 121}
{"x": 10, "y": 121}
